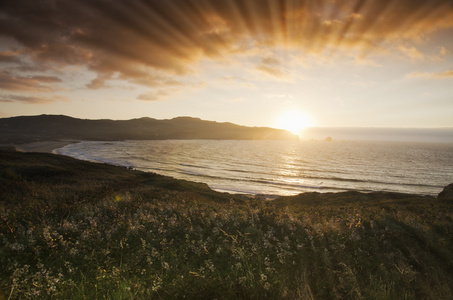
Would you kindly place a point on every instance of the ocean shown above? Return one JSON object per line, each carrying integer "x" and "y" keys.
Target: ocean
{"x": 284, "y": 167}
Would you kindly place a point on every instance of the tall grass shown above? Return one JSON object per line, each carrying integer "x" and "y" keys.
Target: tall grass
{"x": 75, "y": 230}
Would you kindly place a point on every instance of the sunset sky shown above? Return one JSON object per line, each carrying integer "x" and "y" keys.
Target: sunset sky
{"x": 364, "y": 63}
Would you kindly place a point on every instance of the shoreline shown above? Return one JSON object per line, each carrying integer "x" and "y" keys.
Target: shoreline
{"x": 43, "y": 146}
{"x": 51, "y": 146}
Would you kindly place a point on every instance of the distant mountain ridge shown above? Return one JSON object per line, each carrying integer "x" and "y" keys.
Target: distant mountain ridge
{"x": 25, "y": 129}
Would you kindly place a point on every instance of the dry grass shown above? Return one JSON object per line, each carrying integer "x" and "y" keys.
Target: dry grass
{"x": 73, "y": 229}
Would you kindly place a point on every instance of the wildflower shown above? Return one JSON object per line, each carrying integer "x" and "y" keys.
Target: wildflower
{"x": 210, "y": 265}
{"x": 157, "y": 284}
{"x": 267, "y": 261}
{"x": 73, "y": 251}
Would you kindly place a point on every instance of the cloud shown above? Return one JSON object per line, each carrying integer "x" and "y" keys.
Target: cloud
{"x": 272, "y": 66}
{"x": 271, "y": 61}
{"x": 445, "y": 74}
{"x": 99, "y": 81}
{"x": 158, "y": 95}
{"x": 443, "y": 51}
{"x": 134, "y": 40}
{"x": 412, "y": 52}
{"x": 365, "y": 61}
{"x": 27, "y": 99}
{"x": 438, "y": 75}
{"x": 441, "y": 55}
{"x": 9, "y": 57}
{"x": 38, "y": 83}
{"x": 275, "y": 72}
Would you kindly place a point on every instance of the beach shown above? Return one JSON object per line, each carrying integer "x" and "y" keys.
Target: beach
{"x": 41, "y": 146}
{"x": 282, "y": 168}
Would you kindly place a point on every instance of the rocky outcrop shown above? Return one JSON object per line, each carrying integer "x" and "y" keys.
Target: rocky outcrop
{"x": 447, "y": 192}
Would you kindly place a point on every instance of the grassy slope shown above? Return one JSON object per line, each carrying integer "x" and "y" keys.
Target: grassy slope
{"x": 74, "y": 229}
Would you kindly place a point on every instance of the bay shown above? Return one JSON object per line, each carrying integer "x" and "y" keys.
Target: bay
{"x": 284, "y": 167}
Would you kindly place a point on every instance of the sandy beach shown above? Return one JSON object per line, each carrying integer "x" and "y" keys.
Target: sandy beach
{"x": 44, "y": 146}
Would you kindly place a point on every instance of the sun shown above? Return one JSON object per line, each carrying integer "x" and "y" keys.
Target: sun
{"x": 294, "y": 121}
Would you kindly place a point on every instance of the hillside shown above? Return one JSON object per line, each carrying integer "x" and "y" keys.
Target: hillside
{"x": 73, "y": 229}
{"x": 53, "y": 127}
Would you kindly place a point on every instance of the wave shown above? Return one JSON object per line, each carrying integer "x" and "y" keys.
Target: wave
{"x": 312, "y": 167}
{"x": 320, "y": 186}
{"x": 195, "y": 166}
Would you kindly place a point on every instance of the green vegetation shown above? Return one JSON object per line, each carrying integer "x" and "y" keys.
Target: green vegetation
{"x": 77, "y": 230}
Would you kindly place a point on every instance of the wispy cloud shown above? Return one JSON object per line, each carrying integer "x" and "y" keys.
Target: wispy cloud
{"x": 438, "y": 75}
{"x": 31, "y": 99}
{"x": 273, "y": 67}
{"x": 271, "y": 70}
{"x": 158, "y": 95}
{"x": 442, "y": 54}
{"x": 411, "y": 52}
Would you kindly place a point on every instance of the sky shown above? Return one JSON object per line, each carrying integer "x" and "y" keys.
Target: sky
{"x": 278, "y": 63}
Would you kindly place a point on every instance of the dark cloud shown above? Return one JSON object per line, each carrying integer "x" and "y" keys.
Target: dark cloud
{"x": 132, "y": 39}
{"x": 9, "y": 57}
{"x": 39, "y": 83}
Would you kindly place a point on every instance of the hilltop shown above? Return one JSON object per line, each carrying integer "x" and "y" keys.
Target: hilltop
{"x": 27, "y": 129}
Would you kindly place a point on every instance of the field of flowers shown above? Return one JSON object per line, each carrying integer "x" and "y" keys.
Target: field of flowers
{"x": 77, "y": 230}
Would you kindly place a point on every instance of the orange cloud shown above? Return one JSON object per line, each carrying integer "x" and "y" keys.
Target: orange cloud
{"x": 412, "y": 52}
{"x": 442, "y": 54}
{"x": 439, "y": 75}
{"x": 271, "y": 71}
{"x": 158, "y": 95}
{"x": 133, "y": 40}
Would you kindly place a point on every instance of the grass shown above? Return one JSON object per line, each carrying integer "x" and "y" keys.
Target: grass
{"x": 77, "y": 230}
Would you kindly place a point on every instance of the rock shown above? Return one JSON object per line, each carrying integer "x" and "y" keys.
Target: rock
{"x": 447, "y": 192}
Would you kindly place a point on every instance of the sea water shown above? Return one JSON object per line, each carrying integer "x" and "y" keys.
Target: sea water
{"x": 284, "y": 167}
